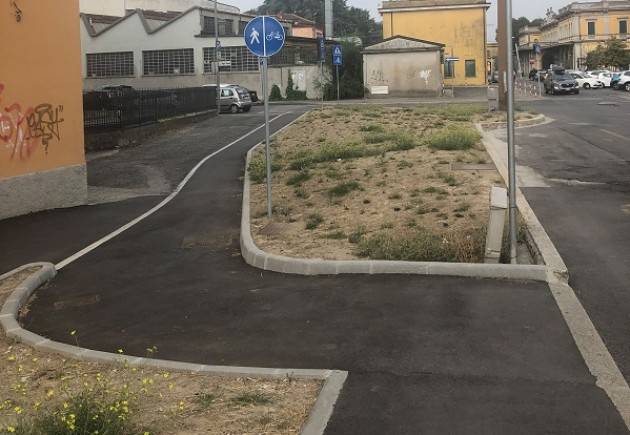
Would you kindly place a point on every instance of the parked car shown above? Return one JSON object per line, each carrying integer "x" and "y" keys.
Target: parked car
{"x": 586, "y": 82}
{"x": 494, "y": 77}
{"x": 253, "y": 95}
{"x": 234, "y": 98}
{"x": 605, "y": 77}
{"x": 624, "y": 81}
{"x": 558, "y": 81}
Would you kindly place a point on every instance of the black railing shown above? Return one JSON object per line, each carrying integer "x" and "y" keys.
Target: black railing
{"x": 127, "y": 107}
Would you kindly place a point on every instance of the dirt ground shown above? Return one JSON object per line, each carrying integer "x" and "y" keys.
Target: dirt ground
{"x": 323, "y": 211}
{"x": 159, "y": 402}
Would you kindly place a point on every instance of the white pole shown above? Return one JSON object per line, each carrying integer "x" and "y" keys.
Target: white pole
{"x": 217, "y": 56}
{"x": 267, "y": 145}
{"x": 511, "y": 135}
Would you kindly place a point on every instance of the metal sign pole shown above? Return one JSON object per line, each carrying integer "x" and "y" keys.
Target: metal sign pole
{"x": 337, "y": 68}
{"x": 217, "y": 56}
{"x": 267, "y": 145}
{"x": 511, "y": 135}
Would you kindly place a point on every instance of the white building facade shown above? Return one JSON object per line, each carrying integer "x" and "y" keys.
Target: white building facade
{"x": 152, "y": 49}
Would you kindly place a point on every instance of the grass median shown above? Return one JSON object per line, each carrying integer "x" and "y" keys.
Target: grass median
{"x": 392, "y": 183}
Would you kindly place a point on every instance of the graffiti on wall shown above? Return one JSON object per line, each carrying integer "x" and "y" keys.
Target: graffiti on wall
{"x": 22, "y": 130}
{"x": 377, "y": 77}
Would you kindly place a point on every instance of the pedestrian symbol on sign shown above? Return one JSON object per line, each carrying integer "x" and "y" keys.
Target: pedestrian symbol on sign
{"x": 254, "y": 36}
{"x": 337, "y": 51}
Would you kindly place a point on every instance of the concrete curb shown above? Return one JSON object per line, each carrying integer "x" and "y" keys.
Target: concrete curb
{"x": 256, "y": 257}
{"x": 540, "y": 119}
{"x": 538, "y": 238}
{"x": 315, "y": 424}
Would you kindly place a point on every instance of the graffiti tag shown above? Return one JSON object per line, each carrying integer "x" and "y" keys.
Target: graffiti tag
{"x": 22, "y": 130}
{"x": 377, "y": 76}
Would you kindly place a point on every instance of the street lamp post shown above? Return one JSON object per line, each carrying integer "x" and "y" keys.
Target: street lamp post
{"x": 217, "y": 54}
{"x": 510, "y": 127}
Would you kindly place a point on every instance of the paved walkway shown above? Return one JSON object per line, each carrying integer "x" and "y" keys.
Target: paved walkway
{"x": 426, "y": 355}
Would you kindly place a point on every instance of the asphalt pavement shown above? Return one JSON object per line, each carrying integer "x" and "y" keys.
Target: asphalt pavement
{"x": 426, "y": 355}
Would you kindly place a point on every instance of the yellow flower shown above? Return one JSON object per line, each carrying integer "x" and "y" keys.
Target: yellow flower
{"x": 50, "y": 393}
{"x": 11, "y": 358}
{"x": 10, "y": 429}
{"x": 120, "y": 351}
{"x": 73, "y": 332}
{"x": 17, "y": 410}
{"x": 146, "y": 433}
{"x": 65, "y": 405}
{"x": 35, "y": 359}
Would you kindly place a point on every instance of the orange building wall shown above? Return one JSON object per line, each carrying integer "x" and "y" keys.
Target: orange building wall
{"x": 41, "y": 115}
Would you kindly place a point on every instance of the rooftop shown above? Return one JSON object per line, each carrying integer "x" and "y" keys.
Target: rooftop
{"x": 428, "y": 4}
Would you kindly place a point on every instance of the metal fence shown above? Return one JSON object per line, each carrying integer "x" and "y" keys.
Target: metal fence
{"x": 124, "y": 107}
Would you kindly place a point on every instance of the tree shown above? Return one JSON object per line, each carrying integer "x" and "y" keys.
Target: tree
{"x": 348, "y": 20}
{"x": 350, "y": 75}
{"x": 613, "y": 54}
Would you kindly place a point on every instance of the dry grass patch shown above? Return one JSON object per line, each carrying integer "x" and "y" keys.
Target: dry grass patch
{"x": 381, "y": 183}
{"x": 44, "y": 394}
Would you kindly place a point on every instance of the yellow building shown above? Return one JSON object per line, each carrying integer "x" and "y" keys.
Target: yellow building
{"x": 529, "y": 50}
{"x": 458, "y": 24}
{"x": 577, "y": 29}
{"x": 42, "y": 163}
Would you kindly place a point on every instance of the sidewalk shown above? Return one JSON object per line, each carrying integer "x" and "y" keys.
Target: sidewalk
{"x": 425, "y": 354}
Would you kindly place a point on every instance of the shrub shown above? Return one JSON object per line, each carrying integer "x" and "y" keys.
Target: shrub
{"x": 454, "y": 138}
{"x": 343, "y": 189}
{"x": 276, "y": 94}
{"x": 331, "y": 153}
{"x": 292, "y": 93}
{"x": 313, "y": 221}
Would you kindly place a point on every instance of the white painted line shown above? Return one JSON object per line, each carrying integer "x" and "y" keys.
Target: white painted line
{"x": 612, "y": 133}
{"x": 164, "y": 202}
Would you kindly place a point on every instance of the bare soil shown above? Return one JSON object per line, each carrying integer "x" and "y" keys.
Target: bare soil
{"x": 34, "y": 383}
{"x": 395, "y": 192}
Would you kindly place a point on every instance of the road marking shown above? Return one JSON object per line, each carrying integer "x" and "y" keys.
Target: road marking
{"x": 612, "y": 133}
{"x": 165, "y": 201}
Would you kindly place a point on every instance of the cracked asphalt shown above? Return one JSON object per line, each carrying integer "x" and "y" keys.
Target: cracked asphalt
{"x": 425, "y": 355}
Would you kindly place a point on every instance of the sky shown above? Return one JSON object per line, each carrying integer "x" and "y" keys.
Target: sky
{"x": 528, "y": 8}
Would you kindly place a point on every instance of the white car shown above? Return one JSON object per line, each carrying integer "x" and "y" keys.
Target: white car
{"x": 586, "y": 82}
{"x": 624, "y": 81}
{"x": 603, "y": 77}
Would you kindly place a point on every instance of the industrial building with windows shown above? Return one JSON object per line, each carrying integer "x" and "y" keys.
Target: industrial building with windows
{"x": 146, "y": 48}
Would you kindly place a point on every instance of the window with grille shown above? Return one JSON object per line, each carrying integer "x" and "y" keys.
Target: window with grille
{"x": 226, "y": 27}
{"x": 623, "y": 27}
{"x": 168, "y": 62}
{"x": 110, "y": 64}
{"x": 591, "y": 28}
{"x": 471, "y": 68}
{"x": 301, "y": 55}
{"x": 449, "y": 69}
{"x": 239, "y": 58}
{"x": 241, "y": 27}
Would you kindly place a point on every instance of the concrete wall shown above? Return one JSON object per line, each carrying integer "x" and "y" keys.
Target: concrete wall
{"x": 42, "y": 162}
{"x": 406, "y": 74}
{"x": 463, "y": 31}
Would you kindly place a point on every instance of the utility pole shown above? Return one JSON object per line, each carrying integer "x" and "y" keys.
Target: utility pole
{"x": 328, "y": 19}
{"x": 217, "y": 54}
{"x": 506, "y": 55}
{"x": 503, "y": 49}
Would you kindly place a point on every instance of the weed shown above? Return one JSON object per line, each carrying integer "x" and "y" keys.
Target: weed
{"x": 454, "y": 138}
{"x": 337, "y": 235}
{"x": 357, "y": 235}
{"x": 82, "y": 415}
{"x": 258, "y": 170}
{"x": 313, "y": 221}
{"x": 366, "y": 201}
{"x": 404, "y": 164}
{"x": 343, "y": 189}
{"x": 255, "y": 399}
{"x": 372, "y": 128}
{"x": 395, "y": 195}
{"x": 450, "y": 180}
{"x": 411, "y": 223}
{"x": 331, "y": 153}
{"x": 205, "y": 399}
{"x": 387, "y": 225}
{"x": 415, "y": 193}
{"x": 462, "y": 208}
{"x": 301, "y": 192}
{"x": 299, "y": 178}
{"x": 437, "y": 190}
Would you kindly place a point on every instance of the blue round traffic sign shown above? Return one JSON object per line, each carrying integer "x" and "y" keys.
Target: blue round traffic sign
{"x": 264, "y": 36}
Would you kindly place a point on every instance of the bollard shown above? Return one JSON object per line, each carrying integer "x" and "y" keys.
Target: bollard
{"x": 496, "y": 225}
